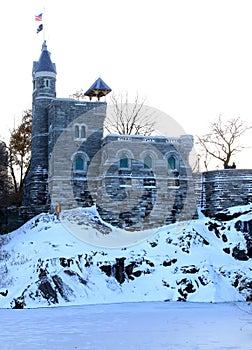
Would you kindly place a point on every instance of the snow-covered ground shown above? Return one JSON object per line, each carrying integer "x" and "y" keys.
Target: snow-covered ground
{"x": 82, "y": 284}
{"x": 129, "y": 326}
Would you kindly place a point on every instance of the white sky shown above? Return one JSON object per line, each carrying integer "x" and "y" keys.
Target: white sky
{"x": 192, "y": 59}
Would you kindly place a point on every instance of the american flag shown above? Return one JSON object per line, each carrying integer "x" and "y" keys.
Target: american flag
{"x": 38, "y": 17}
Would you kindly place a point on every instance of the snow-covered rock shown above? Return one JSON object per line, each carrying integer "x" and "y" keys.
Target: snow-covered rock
{"x": 207, "y": 260}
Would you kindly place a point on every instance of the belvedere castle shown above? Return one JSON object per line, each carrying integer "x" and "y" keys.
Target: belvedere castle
{"x": 136, "y": 182}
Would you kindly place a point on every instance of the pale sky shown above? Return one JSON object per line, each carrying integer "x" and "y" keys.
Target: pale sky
{"x": 191, "y": 59}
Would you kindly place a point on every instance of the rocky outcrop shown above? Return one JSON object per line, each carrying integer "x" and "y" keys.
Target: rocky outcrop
{"x": 204, "y": 261}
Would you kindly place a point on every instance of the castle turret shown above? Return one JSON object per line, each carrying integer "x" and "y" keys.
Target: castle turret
{"x": 44, "y": 91}
{"x": 44, "y": 76}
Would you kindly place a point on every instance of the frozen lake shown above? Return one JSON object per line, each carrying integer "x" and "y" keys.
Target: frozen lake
{"x": 129, "y": 326}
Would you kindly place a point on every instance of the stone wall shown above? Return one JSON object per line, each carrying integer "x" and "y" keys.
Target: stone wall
{"x": 213, "y": 191}
{"x": 225, "y": 188}
{"x": 139, "y": 197}
{"x": 66, "y": 186}
{"x": 13, "y": 218}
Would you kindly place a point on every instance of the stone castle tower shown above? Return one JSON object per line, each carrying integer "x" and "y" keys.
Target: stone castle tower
{"x": 51, "y": 117}
{"x": 134, "y": 181}
{"x": 44, "y": 92}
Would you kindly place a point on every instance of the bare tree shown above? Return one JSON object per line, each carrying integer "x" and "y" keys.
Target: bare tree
{"x": 127, "y": 118}
{"x": 19, "y": 151}
{"x": 5, "y": 184}
{"x": 78, "y": 95}
{"x": 222, "y": 142}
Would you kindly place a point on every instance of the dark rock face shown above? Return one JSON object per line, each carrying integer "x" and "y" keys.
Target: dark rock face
{"x": 186, "y": 288}
{"x": 189, "y": 269}
{"x": 5, "y": 293}
{"x": 122, "y": 272}
{"x": 169, "y": 262}
{"x": 203, "y": 281}
{"x": 246, "y": 228}
{"x": 18, "y": 303}
{"x": 64, "y": 290}
{"x": 213, "y": 226}
{"x": 239, "y": 254}
{"x": 226, "y": 250}
{"x": 222, "y": 216}
{"x": 244, "y": 284}
{"x": 249, "y": 252}
{"x": 48, "y": 292}
{"x": 107, "y": 269}
{"x": 65, "y": 262}
{"x": 117, "y": 270}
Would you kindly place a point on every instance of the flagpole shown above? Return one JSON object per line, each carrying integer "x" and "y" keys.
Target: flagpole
{"x": 44, "y": 26}
{"x": 41, "y": 18}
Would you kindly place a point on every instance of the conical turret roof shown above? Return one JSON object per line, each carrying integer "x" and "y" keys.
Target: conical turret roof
{"x": 44, "y": 64}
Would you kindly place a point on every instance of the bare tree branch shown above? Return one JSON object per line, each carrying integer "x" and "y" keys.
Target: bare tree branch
{"x": 78, "y": 95}
{"x": 222, "y": 142}
{"x": 127, "y": 118}
{"x": 19, "y": 150}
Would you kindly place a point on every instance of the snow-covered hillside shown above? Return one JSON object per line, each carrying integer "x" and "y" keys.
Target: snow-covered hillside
{"x": 207, "y": 260}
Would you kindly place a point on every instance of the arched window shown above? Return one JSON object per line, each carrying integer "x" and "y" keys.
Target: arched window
{"x": 147, "y": 162}
{"x": 80, "y": 131}
{"x": 172, "y": 163}
{"x": 76, "y": 132}
{"x": 83, "y": 132}
{"x": 79, "y": 164}
{"x": 124, "y": 162}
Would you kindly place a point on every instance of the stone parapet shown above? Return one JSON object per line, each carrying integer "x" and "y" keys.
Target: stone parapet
{"x": 225, "y": 188}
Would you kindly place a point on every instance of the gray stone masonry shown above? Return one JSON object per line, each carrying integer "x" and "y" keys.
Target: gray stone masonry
{"x": 66, "y": 185}
{"x": 138, "y": 197}
{"x": 136, "y": 182}
{"x": 225, "y": 188}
